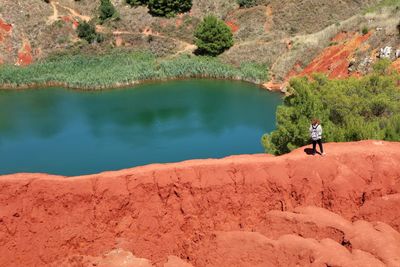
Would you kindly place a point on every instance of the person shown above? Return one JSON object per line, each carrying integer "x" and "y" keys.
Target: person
{"x": 316, "y": 135}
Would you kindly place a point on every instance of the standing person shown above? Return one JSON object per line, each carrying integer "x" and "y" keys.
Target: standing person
{"x": 316, "y": 135}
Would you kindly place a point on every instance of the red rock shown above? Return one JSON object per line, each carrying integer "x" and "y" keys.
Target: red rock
{"x": 248, "y": 210}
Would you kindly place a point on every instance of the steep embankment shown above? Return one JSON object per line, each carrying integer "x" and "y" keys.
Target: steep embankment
{"x": 250, "y": 210}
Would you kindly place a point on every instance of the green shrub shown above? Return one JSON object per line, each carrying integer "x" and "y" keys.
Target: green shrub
{"x": 137, "y": 2}
{"x": 246, "y": 3}
{"x": 168, "y": 8}
{"x": 381, "y": 67}
{"x": 364, "y": 30}
{"x": 350, "y": 110}
{"x": 107, "y": 10}
{"x": 213, "y": 36}
{"x": 87, "y": 31}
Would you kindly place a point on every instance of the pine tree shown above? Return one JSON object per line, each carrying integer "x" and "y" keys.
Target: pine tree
{"x": 168, "y": 8}
{"x": 137, "y": 2}
{"x": 107, "y": 10}
{"x": 213, "y": 36}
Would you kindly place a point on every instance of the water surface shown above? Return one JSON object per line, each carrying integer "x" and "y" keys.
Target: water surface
{"x": 68, "y": 132}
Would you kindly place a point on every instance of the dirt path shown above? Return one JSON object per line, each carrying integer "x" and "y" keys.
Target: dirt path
{"x": 53, "y": 18}
{"x": 75, "y": 13}
{"x": 184, "y": 46}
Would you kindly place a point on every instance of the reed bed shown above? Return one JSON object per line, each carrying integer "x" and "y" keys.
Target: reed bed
{"x": 122, "y": 69}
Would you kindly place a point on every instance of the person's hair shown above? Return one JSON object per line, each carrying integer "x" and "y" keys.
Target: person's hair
{"x": 315, "y": 121}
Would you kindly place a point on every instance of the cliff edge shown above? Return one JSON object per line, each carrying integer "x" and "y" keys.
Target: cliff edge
{"x": 247, "y": 210}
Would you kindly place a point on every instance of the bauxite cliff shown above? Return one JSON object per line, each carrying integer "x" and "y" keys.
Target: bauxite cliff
{"x": 250, "y": 210}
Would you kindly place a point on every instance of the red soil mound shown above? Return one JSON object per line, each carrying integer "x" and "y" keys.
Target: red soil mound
{"x": 254, "y": 210}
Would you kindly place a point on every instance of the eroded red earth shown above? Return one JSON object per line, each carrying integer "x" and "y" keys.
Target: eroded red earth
{"x": 334, "y": 60}
{"x": 249, "y": 210}
{"x": 5, "y": 30}
{"x": 232, "y": 24}
{"x": 25, "y": 56}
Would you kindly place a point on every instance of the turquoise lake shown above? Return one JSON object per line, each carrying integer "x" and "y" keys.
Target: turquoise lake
{"x": 69, "y": 132}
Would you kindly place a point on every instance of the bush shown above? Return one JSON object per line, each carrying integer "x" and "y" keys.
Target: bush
{"x": 107, "y": 10}
{"x": 213, "y": 36}
{"x": 168, "y": 8}
{"x": 87, "y": 31}
{"x": 246, "y": 3}
{"x": 137, "y": 2}
{"x": 364, "y": 30}
{"x": 350, "y": 110}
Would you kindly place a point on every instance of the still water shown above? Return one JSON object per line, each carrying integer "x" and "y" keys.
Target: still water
{"x": 67, "y": 132}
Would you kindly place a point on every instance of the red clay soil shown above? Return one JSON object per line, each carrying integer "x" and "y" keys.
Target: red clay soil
{"x": 334, "y": 60}
{"x": 5, "y": 26}
{"x": 396, "y": 64}
{"x": 248, "y": 210}
{"x": 5, "y": 29}
{"x": 232, "y": 24}
{"x": 25, "y": 55}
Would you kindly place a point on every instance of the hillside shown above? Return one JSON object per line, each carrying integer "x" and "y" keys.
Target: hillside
{"x": 291, "y": 37}
{"x": 337, "y": 210}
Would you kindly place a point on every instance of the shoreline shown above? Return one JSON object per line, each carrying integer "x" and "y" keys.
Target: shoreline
{"x": 120, "y": 85}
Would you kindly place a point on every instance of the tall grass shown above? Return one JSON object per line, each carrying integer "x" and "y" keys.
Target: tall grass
{"x": 382, "y": 4}
{"x": 123, "y": 68}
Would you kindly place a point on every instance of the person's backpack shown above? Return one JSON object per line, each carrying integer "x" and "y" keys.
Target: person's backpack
{"x": 314, "y": 132}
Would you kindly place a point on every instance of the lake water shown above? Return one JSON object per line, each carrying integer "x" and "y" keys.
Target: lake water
{"x": 67, "y": 132}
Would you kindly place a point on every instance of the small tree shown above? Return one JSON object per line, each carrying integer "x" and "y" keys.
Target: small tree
{"x": 246, "y": 3}
{"x": 87, "y": 31}
{"x": 107, "y": 10}
{"x": 168, "y": 8}
{"x": 382, "y": 66}
{"x": 364, "y": 30}
{"x": 137, "y": 2}
{"x": 213, "y": 36}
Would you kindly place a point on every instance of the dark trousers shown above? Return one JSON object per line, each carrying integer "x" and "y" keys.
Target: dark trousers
{"x": 314, "y": 145}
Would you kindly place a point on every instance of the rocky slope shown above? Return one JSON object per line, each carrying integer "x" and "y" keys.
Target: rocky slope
{"x": 281, "y": 34}
{"x": 249, "y": 210}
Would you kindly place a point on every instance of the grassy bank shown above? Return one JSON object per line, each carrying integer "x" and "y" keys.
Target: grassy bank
{"x": 122, "y": 69}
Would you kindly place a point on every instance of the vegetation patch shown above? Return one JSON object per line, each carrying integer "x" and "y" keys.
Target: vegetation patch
{"x": 383, "y": 4}
{"x": 349, "y": 109}
{"x": 87, "y": 31}
{"x": 123, "y": 68}
{"x": 164, "y": 8}
{"x": 246, "y": 3}
{"x": 213, "y": 36}
{"x": 107, "y": 10}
